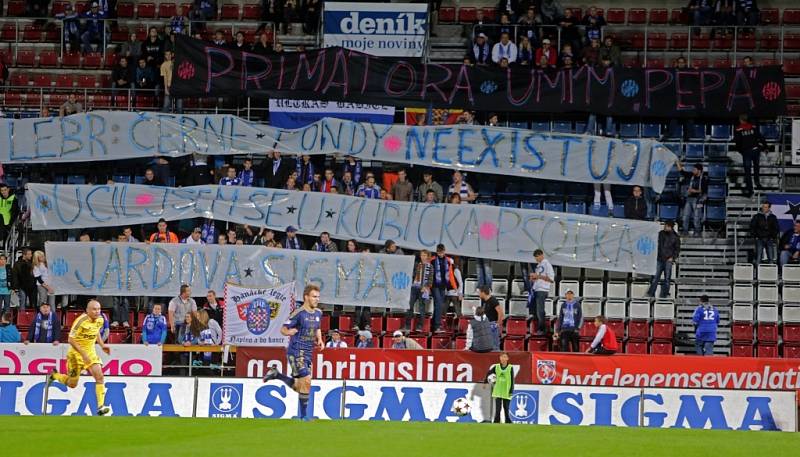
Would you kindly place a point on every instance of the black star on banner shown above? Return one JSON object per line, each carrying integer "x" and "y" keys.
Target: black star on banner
{"x": 291, "y": 209}
{"x": 329, "y": 213}
{"x": 794, "y": 210}
{"x": 259, "y": 135}
{"x": 248, "y": 272}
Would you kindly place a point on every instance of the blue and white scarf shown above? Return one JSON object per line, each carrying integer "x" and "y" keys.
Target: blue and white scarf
{"x": 38, "y": 326}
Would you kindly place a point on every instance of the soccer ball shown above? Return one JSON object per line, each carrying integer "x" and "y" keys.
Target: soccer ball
{"x": 461, "y": 407}
{"x": 492, "y": 378}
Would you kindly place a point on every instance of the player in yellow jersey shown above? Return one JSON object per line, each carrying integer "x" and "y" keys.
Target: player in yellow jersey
{"x": 81, "y": 356}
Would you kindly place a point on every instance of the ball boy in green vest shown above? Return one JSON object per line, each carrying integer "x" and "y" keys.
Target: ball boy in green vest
{"x": 501, "y": 376}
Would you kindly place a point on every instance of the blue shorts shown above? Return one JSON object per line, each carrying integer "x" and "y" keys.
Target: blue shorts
{"x": 300, "y": 361}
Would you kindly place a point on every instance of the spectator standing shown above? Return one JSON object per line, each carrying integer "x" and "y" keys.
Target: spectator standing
{"x": 46, "y": 327}
{"x": 23, "y": 281}
{"x": 399, "y": 341}
{"x": 292, "y": 241}
{"x": 71, "y": 24}
{"x": 71, "y": 106}
{"x": 764, "y": 229}
{"x": 750, "y": 144}
{"x": 480, "y": 336}
{"x": 5, "y": 285}
{"x": 543, "y": 277}
{"x": 790, "y": 246}
{"x": 402, "y": 189}
{"x": 264, "y": 43}
{"x": 568, "y": 323}
{"x": 131, "y": 49}
{"x": 150, "y": 179}
{"x": 462, "y": 188}
{"x": 551, "y": 11}
{"x": 701, "y": 11}
{"x": 9, "y": 211}
{"x": 390, "y": 247}
{"x": 203, "y": 11}
{"x": 453, "y": 297}
{"x": 121, "y": 76}
{"x": 196, "y": 237}
{"x": 605, "y": 342}
{"x": 495, "y": 313}
{"x": 747, "y": 12}
{"x": 443, "y": 281}
{"x": 501, "y": 375}
{"x": 530, "y": 23}
{"x": 706, "y": 320}
{"x": 277, "y": 170}
{"x": 153, "y": 48}
{"x": 163, "y": 235}
{"x": 504, "y": 49}
{"x": 570, "y": 34}
{"x": 610, "y": 51}
{"x": 179, "y": 23}
{"x": 214, "y": 306}
{"x": 590, "y": 55}
{"x": 8, "y": 331}
{"x": 329, "y": 184}
{"x": 305, "y": 170}
{"x": 325, "y": 244}
{"x": 696, "y": 194}
{"x": 166, "y": 73}
{"x": 179, "y": 308}
{"x": 44, "y": 291}
{"x": 429, "y": 184}
{"x": 145, "y": 76}
{"x": 336, "y": 340}
{"x": 593, "y": 25}
{"x": 635, "y": 205}
{"x": 154, "y": 327}
{"x": 230, "y": 178}
{"x": 311, "y": 13}
{"x": 94, "y": 28}
{"x": 421, "y": 284}
{"x": 669, "y": 247}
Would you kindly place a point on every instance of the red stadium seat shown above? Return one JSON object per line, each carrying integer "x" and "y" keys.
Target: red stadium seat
{"x": 447, "y": 14}
{"x": 661, "y": 347}
{"x": 87, "y": 81}
{"x": 71, "y": 316}
{"x": 791, "y": 332}
{"x": 587, "y": 330}
{"x": 376, "y": 324}
{"x": 722, "y": 62}
{"x": 722, "y": 43}
{"x": 746, "y": 43}
{"x": 638, "y": 329}
{"x": 117, "y": 337}
{"x": 64, "y": 81}
{"x": 253, "y": 12}
{"x": 490, "y": 14}
{"x": 791, "y": 42}
{"x": 121, "y": 101}
{"x": 32, "y": 34}
{"x": 59, "y": 7}
{"x": 657, "y": 41}
{"x": 538, "y": 344}
{"x": 637, "y": 16}
{"x": 467, "y": 15}
{"x": 699, "y": 62}
{"x": 742, "y": 331}
{"x": 770, "y": 42}
{"x": 42, "y": 80}
{"x": 48, "y": 59}
{"x": 516, "y": 326}
{"x": 791, "y": 351}
{"x": 767, "y": 332}
{"x": 120, "y": 34}
{"x": 636, "y": 347}
{"x": 71, "y": 60}
{"x": 514, "y": 343}
{"x": 13, "y": 99}
{"x": 125, "y": 10}
{"x": 663, "y": 330}
{"x": 25, "y": 318}
{"x": 678, "y": 16}
{"x": 654, "y": 63}
{"x": 26, "y": 58}
{"x": 767, "y": 350}
{"x": 394, "y": 323}
{"x": 15, "y": 9}
{"x": 19, "y": 79}
{"x": 146, "y": 11}
{"x": 615, "y": 16}
{"x": 33, "y": 99}
{"x": 679, "y": 40}
{"x": 145, "y": 102}
{"x": 791, "y": 16}
{"x": 422, "y": 340}
{"x": 658, "y": 16}
{"x": 8, "y": 32}
{"x": 769, "y": 16}
{"x": 637, "y": 40}
{"x": 618, "y": 327}
{"x": 441, "y": 342}
{"x": 167, "y": 10}
{"x": 463, "y": 323}
{"x": 229, "y": 12}
{"x": 425, "y": 324}
{"x": 93, "y": 60}
{"x": 577, "y": 12}
{"x": 461, "y": 343}
{"x": 791, "y": 67}
{"x": 345, "y": 322}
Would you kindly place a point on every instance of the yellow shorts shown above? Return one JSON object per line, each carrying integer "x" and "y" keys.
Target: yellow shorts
{"x": 75, "y": 364}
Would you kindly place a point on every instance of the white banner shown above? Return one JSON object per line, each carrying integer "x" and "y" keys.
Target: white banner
{"x": 254, "y": 317}
{"x": 795, "y": 141}
{"x": 380, "y": 29}
{"x": 293, "y": 114}
{"x": 124, "y": 360}
{"x": 126, "y": 396}
{"x": 159, "y": 269}
{"x": 115, "y": 135}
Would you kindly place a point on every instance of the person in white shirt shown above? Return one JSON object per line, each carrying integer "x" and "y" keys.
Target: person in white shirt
{"x": 504, "y": 49}
{"x": 336, "y": 340}
{"x": 195, "y": 238}
{"x": 542, "y": 279}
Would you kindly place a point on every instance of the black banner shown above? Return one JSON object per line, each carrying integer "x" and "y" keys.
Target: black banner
{"x": 205, "y": 70}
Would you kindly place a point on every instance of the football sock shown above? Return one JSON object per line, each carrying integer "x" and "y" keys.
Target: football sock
{"x": 60, "y": 377}
{"x": 100, "y": 391}
{"x": 303, "y": 405}
{"x": 288, "y": 380}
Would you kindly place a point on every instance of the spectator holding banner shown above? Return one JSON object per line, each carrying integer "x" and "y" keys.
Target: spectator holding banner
{"x": 46, "y": 327}
{"x": 154, "y": 327}
{"x": 8, "y": 331}
{"x": 706, "y": 320}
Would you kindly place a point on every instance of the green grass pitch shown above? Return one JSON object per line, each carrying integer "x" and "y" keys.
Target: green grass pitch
{"x": 173, "y": 437}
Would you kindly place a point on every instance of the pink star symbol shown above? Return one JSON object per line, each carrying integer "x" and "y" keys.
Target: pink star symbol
{"x": 488, "y": 230}
{"x": 144, "y": 199}
{"x": 392, "y": 143}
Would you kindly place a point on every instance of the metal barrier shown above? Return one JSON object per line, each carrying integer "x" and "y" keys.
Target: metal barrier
{"x": 185, "y": 365}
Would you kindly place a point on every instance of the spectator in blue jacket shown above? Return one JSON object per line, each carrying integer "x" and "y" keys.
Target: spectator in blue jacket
{"x": 568, "y": 324}
{"x": 154, "y": 327}
{"x": 94, "y": 28}
{"x": 790, "y": 246}
{"x": 706, "y": 320}
{"x": 46, "y": 327}
{"x": 8, "y": 331}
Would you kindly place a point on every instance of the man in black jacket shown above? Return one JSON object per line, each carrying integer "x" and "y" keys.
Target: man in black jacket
{"x": 696, "y": 193}
{"x": 277, "y": 170}
{"x": 22, "y": 280}
{"x": 635, "y": 205}
{"x": 669, "y": 246}
{"x": 764, "y": 228}
{"x": 750, "y": 143}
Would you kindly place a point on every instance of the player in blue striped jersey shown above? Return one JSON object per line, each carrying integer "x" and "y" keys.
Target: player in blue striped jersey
{"x": 303, "y": 330}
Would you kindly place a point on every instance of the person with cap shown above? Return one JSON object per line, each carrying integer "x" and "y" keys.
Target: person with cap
{"x": 292, "y": 241}
{"x": 195, "y": 238}
{"x": 504, "y": 49}
{"x": 696, "y": 194}
{"x": 706, "y": 321}
{"x": 336, "y": 340}
{"x": 546, "y": 56}
{"x": 429, "y": 184}
{"x": 481, "y": 336}
{"x": 494, "y": 311}
{"x": 364, "y": 339}
{"x": 568, "y": 323}
{"x": 94, "y": 27}
{"x": 399, "y": 341}
{"x": 481, "y": 50}
{"x": 669, "y": 246}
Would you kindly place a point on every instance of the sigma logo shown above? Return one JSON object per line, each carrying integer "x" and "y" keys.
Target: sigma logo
{"x": 377, "y": 23}
{"x": 546, "y": 371}
{"x": 225, "y": 400}
{"x": 524, "y": 407}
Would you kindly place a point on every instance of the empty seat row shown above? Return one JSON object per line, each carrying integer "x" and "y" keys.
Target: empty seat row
{"x": 743, "y": 272}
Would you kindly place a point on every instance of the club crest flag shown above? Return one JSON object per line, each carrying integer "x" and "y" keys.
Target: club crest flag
{"x": 253, "y": 317}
